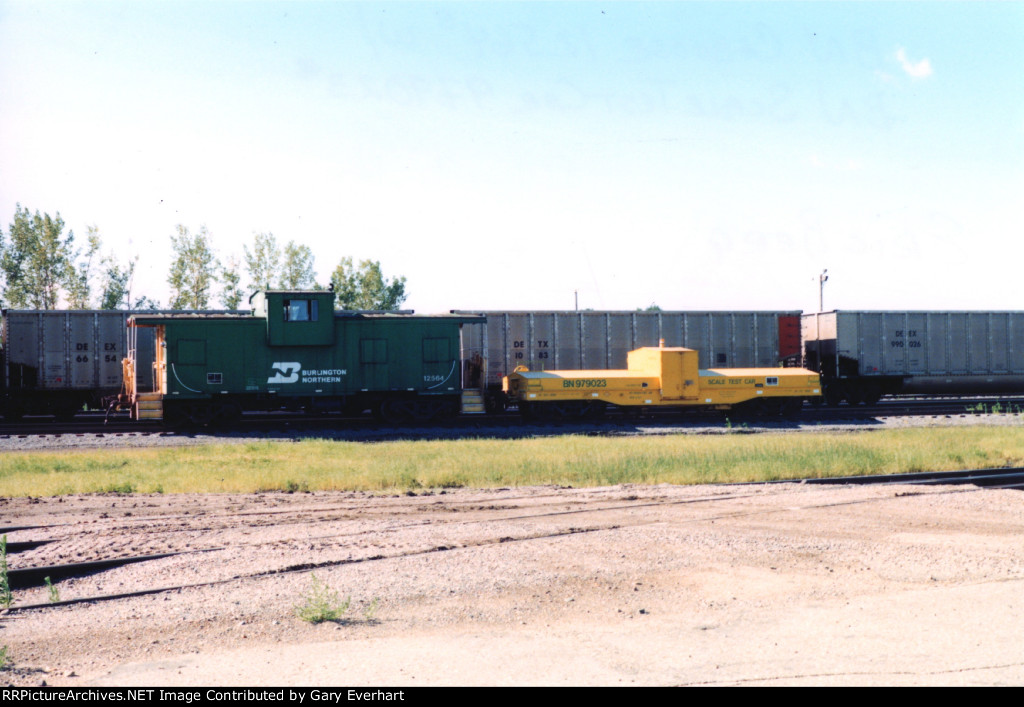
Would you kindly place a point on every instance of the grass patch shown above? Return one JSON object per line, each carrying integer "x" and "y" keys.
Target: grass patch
{"x": 52, "y": 591}
{"x": 414, "y": 466}
{"x": 6, "y": 597}
{"x": 321, "y": 603}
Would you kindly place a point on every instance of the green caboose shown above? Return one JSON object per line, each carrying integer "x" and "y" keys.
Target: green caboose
{"x": 295, "y": 352}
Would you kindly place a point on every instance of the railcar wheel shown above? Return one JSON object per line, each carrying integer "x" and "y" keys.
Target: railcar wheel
{"x": 495, "y": 403}
{"x": 538, "y": 412}
{"x": 65, "y": 414}
{"x": 833, "y": 396}
{"x": 527, "y": 412}
{"x": 201, "y": 414}
{"x": 550, "y": 412}
{"x": 228, "y": 415}
{"x": 174, "y": 417}
{"x": 565, "y": 411}
{"x": 414, "y": 410}
{"x": 748, "y": 409}
{"x": 396, "y": 412}
{"x": 790, "y": 407}
{"x": 872, "y": 394}
{"x": 446, "y": 410}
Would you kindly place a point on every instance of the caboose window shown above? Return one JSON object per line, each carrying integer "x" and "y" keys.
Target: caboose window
{"x": 301, "y": 310}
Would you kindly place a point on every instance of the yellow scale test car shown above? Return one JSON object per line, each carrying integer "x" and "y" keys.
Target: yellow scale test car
{"x": 660, "y": 377}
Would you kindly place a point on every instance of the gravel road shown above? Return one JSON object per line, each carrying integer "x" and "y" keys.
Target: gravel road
{"x": 781, "y": 584}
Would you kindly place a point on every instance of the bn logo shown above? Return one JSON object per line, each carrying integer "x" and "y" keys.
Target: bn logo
{"x": 285, "y": 372}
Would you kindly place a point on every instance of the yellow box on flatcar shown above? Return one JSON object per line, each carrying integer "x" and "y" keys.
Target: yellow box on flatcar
{"x": 662, "y": 376}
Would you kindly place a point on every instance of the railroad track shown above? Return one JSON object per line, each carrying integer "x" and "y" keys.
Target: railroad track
{"x": 97, "y": 424}
{"x": 574, "y": 518}
{"x": 1009, "y": 478}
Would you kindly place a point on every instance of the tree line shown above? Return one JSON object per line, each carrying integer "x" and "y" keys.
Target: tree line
{"x": 42, "y": 267}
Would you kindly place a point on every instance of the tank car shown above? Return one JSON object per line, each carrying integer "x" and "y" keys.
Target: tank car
{"x": 293, "y": 351}
{"x": 863, "y": 355}
{"x": 601, "y": 340}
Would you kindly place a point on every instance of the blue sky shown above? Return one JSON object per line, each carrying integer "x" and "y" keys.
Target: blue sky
{"x": 504, "y": 155}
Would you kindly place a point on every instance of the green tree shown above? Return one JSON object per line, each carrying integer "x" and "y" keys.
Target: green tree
{"x": 193, "y": 270}
{"x": 231, "y": 278}
{"x": 145, "y": 303}
{"x": 366, "y": 287}
{"x": 262, "y": 261}
{"x": 36, "y": 263}
{"x": 297, "y": 273}
{"x": 117, "y": 278}
{"x": 80, "y": 273}
{"x": 113, "y": 278}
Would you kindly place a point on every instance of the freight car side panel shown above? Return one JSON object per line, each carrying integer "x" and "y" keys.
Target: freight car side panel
{"x": 596, "y": 347}
{"x": 789, "y": 338}
{"x": 62, "y": 350}
{"x": 917, "y": 351}
{"x": 601, "y": 340}
{"x": 53, "y": 347}
{"x": 21, "y": 343}
{"x": 926, "y": 343}
{"x": 109, "y": 347}
{"x": 57, "y": 361}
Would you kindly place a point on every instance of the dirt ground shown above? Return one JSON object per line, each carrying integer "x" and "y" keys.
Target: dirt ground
{"x": 787, "y": 584}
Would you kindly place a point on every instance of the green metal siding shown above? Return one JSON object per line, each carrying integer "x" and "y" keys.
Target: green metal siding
{"x": 210, "y": 357}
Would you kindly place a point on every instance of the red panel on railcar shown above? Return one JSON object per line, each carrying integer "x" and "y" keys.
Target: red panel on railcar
{"x": 789, "y": 336}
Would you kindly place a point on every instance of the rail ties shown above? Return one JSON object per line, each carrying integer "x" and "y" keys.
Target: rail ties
{"x": 36, "y": 576}
{"x": 1005, "y": 478}
{"x": 12, "y": 528}
{"x": 14, "y": 548}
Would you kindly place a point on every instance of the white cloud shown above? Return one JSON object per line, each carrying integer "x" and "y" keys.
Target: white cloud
{"x": 918, "y": 70}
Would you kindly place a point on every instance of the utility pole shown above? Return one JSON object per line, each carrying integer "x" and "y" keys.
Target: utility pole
{"x": 822, "y": 279}
{"x": 576, "y": 295}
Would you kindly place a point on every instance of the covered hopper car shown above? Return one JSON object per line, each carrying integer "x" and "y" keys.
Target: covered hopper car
{"x": 601, "y": 340}
{"x": 57, "y": 362}
{"x": 863, "y": 355}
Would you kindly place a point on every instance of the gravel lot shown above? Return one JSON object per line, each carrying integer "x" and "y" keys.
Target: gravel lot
{"x": 785, "y": 584}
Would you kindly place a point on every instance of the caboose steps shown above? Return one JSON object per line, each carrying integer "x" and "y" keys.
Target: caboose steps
{"x": 473, "y": 402}
{"x": 149, "y": 406}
